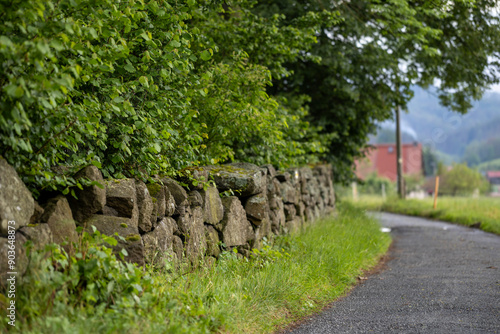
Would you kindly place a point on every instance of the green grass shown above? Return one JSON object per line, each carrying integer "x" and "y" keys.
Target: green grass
{"x": 462, "y": 210}
{"x": 280, "y": 284}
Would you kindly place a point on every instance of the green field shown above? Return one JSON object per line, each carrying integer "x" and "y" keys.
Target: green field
{"x": 462, "y": 210}
{"x": 280, "y": 284}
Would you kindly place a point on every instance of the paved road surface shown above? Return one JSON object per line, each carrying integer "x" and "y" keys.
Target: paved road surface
{"x": 442, "y": 278}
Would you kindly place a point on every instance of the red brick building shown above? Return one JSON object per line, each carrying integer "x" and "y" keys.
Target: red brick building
{"x": 381, "y": 158}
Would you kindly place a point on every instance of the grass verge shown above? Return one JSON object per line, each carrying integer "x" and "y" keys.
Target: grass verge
{"x": 296, "y": 276}
{"x": 462, "y": 210}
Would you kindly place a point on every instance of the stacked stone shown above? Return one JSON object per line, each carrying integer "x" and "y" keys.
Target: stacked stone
{"x": 164, "y": 221}
{"x": 23, "y": 219}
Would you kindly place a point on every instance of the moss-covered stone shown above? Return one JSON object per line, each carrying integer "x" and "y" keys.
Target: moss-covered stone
{"x": 243, "y": 179}
{"x": 154, "y": 189}
{"x": 133, "y": 237}
{"x": 157, "y": 193}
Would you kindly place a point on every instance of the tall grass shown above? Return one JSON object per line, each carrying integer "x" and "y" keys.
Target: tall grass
{"x": 483, "y": 212}
{"x": 314, "y": 268}
{"x": 294, "y": 277}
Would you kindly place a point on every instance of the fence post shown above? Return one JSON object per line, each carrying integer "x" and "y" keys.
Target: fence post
{"x": 436, "y": 190}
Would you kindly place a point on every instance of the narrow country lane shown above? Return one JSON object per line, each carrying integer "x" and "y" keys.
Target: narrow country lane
{"x": 441, "y": 278}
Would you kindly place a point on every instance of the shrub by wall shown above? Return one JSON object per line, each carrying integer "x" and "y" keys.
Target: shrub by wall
{"x": 140, "y": 88}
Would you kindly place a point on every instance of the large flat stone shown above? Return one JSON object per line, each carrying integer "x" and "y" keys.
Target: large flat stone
{"x": 192, "y": 231}
{"x": 16, "y": 202}
{"x": 39, "y": 234}
{"x": 159, "y": 244}
{"x": 243, "y": 179}
{"x": 169, "y": 203}
{"x": 289, "y": 193}
{"x": 178, "y": 247}
{"x": 58, "y": 216}
{"x": 196, "y": 242}
{"x": 213, "y": 211}
{"x": 178, "y": 192}
{"x": 257, "y": 208}
{"x": 234, "y": 225}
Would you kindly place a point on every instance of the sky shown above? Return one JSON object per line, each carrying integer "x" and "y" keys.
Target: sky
{"x": 495, "y": 88}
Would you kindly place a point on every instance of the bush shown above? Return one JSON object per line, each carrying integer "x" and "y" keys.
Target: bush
{"x": 142, "y": 88}
{"x": 96, "y": 292}
{"x": 373, "y": 185}
{"x": 461, "y": 180}
{"x": 93, "y": 278}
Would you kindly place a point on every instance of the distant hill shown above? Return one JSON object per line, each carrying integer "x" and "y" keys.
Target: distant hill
{"x": 489, "y": 165}
{"x": 446, "y": 131}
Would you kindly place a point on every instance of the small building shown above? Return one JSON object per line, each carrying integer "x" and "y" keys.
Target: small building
{"x": 494, "y": 179}
{"x": 381, "y": 159}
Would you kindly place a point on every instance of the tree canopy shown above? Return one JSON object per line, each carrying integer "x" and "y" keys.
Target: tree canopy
{"x": 142, "y": 87}
{"x": 380, "y": 49}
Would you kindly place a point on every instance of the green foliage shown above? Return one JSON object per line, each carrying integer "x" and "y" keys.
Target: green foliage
{"x": 93, "y": 278}
{"x": 413, "y": 182}
{"x": 241, "y": 120}
{"x": 373, "y": 185}
{"x": 461, "y": 180}
{"x": 94, "y": 83}
{"x": 94, "y": 291}
{"x": 141, "y": 88}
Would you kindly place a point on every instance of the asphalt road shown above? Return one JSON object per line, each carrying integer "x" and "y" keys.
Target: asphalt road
{"x": 441, "y": 278}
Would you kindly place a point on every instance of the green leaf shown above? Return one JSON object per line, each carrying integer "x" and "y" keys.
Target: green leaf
{"x": 205, "y": 55}
{"x": 144, "y": 81}
{"x": 14, "y": 91}
{"x": 96, "y": 163}
{"x": 105, "y": 68}
{"x": 129, "y": 68}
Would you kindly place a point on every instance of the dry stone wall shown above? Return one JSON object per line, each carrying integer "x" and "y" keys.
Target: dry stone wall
{"x": 165, "y": 221}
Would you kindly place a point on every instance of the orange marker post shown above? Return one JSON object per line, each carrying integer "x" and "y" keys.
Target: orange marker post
{"x": 436, "y": 190}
